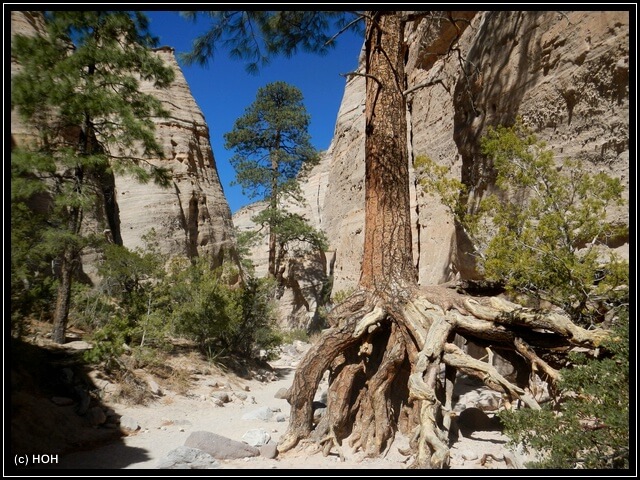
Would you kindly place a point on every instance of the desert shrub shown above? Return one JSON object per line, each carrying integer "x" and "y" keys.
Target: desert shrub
{"x": 542, "y": 232}
{"x": 255, "y": 329}
{"x": 588, "y": 426}
{"x": 109, "y": 342}
{"x": 203, "y": 308}
{"x": 299, "y": 334}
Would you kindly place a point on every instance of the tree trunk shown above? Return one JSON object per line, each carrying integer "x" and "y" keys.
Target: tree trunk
{"x": 389, "y": 341}
{"x": 274, "y": 205}
{"x": 387, "y": 265}
{"x": 63, "y": 297}
{"x": 272, "y": 252}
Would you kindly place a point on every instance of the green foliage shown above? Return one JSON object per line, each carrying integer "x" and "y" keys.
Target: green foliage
{"x": 32, "y": 287}
{"x": 542, "y": 232}
{"x": 94, "y": 85}
{"x": 256, "y": 329}
{"x": 299, "y": 334}
{"x": 291, "y": 230}
{"x": 109, "y": 341}
{"x": 203, "y": 308}
{"x": 221, "y": 318}
{"x": 141, "y": 306}
{"x": 271, "y": 143}
{"x": 272, "y": 150}
{"x": 341, "y": 295}
{"x": 78, "y": 91}
{"x": 589, "y": 426}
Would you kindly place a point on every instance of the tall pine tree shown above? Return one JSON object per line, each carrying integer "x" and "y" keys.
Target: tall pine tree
{"x": 391, "y": 339}
{"x": 78, "y": 90}
{"x": 272, "y": 148}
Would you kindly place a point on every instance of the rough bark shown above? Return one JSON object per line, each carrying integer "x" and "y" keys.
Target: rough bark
{"x": 387, "y": 265}
{"x": 68, "y": 260}
{"x": 63, "y": 299}
{"x": 389, "y": 341}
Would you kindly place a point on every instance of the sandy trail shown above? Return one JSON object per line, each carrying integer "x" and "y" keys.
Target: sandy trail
{"x": 167, "y": 422}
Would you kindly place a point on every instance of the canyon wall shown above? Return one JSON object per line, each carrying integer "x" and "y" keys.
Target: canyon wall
{"x": 565, "y": 73}
{"x": 190, "y": 218}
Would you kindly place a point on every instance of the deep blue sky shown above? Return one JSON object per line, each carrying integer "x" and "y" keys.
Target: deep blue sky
{"x": 224, "y": 89}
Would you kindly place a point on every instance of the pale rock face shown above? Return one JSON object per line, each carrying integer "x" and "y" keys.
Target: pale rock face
{"x": 28, "y": 24}
{"x": 565, "y": 74}
{"x": 191, "y": 217}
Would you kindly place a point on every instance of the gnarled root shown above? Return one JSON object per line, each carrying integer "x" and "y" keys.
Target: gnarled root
{"x": 392, "y": 366}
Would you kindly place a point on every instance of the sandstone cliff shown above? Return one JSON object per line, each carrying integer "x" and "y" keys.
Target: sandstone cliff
{"x": 190, "y": 218}
{"x": 565, "y": 73}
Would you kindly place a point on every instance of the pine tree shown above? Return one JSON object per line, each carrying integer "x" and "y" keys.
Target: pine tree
{"x": 273, "y": 149}
{"x": 78, "y": 90}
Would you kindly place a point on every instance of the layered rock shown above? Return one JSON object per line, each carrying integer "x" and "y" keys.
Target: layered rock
{"x": 565, "y": 73}
{"x": 192, "y": 217}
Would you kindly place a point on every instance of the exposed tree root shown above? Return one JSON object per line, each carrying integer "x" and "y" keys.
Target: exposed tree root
{"x": 392, "y": 366}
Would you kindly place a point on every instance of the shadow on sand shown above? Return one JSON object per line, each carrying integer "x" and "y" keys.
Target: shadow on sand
{"x": 55, "y": 413}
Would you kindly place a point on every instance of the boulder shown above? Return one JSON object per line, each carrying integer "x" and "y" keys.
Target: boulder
{"x": 188, "y": 458}
{"x": 219, "y": 447}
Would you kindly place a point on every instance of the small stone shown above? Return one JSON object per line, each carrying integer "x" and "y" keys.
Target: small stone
{"x": 256, "y": 437}
{"x": 222, "y": 396}
{"x": 79, "y": 345}
{"x": 469, "y": 455}
{"x": 128, "y": 423}
{"x": 282, "y": 393}
{"x": 95, "y": 416}
{"x": 270, "y": 450}
{"x": 262, "y": 413}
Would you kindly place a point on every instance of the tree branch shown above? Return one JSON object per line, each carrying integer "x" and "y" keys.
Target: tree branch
{"x": 359, "y": 18}
{"x": 430, "y": 83}
{"x": 358, "y": 74}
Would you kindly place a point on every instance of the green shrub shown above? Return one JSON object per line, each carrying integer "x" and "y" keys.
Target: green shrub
{"x": 290, "y": 336}
{"x": 543, "y": 231}
{"x": 203, "y": 308}
{"x": 588, "y": 427}
{"x": 255, "y": 329}
{"x": 109, "y": 342}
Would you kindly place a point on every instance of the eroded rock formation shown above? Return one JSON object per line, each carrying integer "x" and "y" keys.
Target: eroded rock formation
{"x": 565, "y": 73}
{"x": 192, "y": 217}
